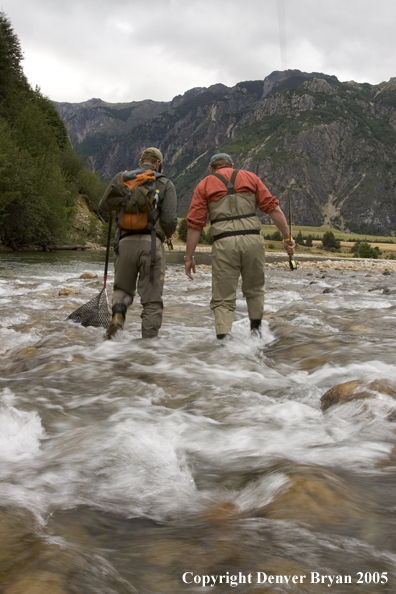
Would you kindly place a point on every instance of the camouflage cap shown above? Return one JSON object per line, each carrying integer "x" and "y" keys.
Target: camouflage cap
{"x": 150, "y": 153}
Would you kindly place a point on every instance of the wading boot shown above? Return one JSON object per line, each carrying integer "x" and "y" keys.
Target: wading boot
{"x": 255, "y": 328}
{"x": 224, "y": 337}
{"x": 117, "y": 321}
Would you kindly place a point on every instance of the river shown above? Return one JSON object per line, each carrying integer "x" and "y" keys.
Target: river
{"x": 138, "y": 466}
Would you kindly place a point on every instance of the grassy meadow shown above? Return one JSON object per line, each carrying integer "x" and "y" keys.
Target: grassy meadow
{"x": 387, "y": 244}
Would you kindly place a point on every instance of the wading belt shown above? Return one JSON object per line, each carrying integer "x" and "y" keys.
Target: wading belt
{"x": 231, "y": 233}
{"x": 231, "y": 190}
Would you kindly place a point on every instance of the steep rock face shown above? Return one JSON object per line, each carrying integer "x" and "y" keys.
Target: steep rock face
{"x": 333, "y": 143}
{"x": 291, "y": 79}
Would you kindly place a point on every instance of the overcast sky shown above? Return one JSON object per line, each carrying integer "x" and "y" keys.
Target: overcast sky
{"x": 129, "y": 50}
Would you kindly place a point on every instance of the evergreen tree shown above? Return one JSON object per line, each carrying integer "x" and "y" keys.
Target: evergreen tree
{"x": 11, "y": 73}
{"x": 329, "y": 242}
{"x": 40, "y": 175}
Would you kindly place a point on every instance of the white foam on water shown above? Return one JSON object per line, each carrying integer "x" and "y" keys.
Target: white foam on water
{"x": 130, "y": 464}
{"x": 146, "y": 428}
{"x": 359, "y": 305}
{"x": 16, "y": 318}
{"x": 21, "y": 433}
{"x": 11, "y": 339}
{"x": 312, "y": 322}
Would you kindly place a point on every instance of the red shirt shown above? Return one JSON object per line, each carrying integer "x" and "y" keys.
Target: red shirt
{"x": 212, "y": 189}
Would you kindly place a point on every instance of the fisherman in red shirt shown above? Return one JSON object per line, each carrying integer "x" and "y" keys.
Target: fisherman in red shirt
{"x": 231, "y": 198}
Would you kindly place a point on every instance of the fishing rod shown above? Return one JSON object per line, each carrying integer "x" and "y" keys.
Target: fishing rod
{"x": 283, "y": 51}
{"x": 292, "y": 262}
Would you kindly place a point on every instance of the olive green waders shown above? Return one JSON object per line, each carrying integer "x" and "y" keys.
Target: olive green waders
{"x": 132, "y": 272}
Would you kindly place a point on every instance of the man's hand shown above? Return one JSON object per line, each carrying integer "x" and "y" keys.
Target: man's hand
{"x": 289, "y": 246}
{"x": 191, "y": 244}
{"x": 189, "y": 267}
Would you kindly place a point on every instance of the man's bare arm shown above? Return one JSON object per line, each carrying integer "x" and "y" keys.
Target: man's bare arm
{"x": 280, "y": 221}
{"x": 192, "y": 242}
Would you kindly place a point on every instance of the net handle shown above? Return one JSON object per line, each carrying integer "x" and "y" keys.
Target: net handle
{"x": 107, "y": 249}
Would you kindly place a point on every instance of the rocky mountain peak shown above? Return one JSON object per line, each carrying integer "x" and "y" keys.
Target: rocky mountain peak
{"x": 336, "y": 140}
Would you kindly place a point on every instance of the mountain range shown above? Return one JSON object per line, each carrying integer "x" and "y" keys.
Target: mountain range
{"x": 326, "y": 147}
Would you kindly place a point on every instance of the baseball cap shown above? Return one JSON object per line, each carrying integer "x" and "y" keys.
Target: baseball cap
{"x": 152, "y": 152}
{"x": 218, "y": 156}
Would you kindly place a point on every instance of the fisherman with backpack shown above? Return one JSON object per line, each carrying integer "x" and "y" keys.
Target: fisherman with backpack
{"x": 231, "y": 198}
{"x": 145, "y": 202}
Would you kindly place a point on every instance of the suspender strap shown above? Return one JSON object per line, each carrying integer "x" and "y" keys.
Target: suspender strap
{"x": 231, "y": 233}
{"x": 230, "y": 190}
{"x": 247, "y": 216}
{"x": 228, "y": 184}
{"x": 118, "y": 225}
{"x": 153, "y": 254}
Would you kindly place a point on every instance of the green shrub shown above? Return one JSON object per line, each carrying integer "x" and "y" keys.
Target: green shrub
{"x": 277, "y": 236}
{"x": 329, "y": 242}
{"x": 182, "y": 230}
{"x": 363, "y": 249}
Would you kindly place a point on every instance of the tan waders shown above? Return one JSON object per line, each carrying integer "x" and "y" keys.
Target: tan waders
{"x": 241, "y": 255}
{"x": 238, "y": 249}
{"x": 132, "y": 272}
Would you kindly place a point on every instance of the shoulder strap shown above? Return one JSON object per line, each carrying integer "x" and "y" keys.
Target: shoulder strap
{"x": 228, "y": 184}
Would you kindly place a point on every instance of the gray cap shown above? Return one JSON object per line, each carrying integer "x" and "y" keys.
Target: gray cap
{"x": 150, "y": 153}
{"x": 220, "y": 156}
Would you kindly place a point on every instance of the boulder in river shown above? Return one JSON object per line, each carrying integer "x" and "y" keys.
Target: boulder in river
{"x": 68, "y": 291}
{"x": 317, "y": 498}
{"x": 88, "y": 275}
{"x": 356, "y": 390}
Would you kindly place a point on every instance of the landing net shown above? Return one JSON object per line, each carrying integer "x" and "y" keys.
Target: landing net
{"x": 94, "y": 313}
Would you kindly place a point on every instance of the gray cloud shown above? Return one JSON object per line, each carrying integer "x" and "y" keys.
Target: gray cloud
{"x": 127, "y": 50}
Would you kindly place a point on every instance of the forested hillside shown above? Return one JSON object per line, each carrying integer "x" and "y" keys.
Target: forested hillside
{"x": 334, "y": 142}
{"x": 40, "y": 174}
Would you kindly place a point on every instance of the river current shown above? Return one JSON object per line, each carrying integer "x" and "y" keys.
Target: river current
{"x": 151, "y": 467}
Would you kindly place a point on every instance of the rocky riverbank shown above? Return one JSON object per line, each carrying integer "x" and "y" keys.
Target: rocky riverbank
{"x": 351, "y": 264}
{"x": 321, "y": 262}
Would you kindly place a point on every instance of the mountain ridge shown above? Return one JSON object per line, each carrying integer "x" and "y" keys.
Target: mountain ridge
{"x": 333, "y": 142}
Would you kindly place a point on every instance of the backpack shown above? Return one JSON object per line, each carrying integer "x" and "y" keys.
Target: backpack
{"x": 136, "y": 199}
{"x": 139, "y": 206}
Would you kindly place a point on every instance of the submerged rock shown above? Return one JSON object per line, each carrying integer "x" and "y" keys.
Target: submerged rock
{"x": 69, "y": 291}
{"x": 40, "y": 582}
{"x": 356, "y": 390}
{"x": 88, "y": 275}
{"x": 317, "y": 498}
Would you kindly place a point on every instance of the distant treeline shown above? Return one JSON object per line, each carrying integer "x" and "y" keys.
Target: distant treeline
{"x": 40, "y": 174}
